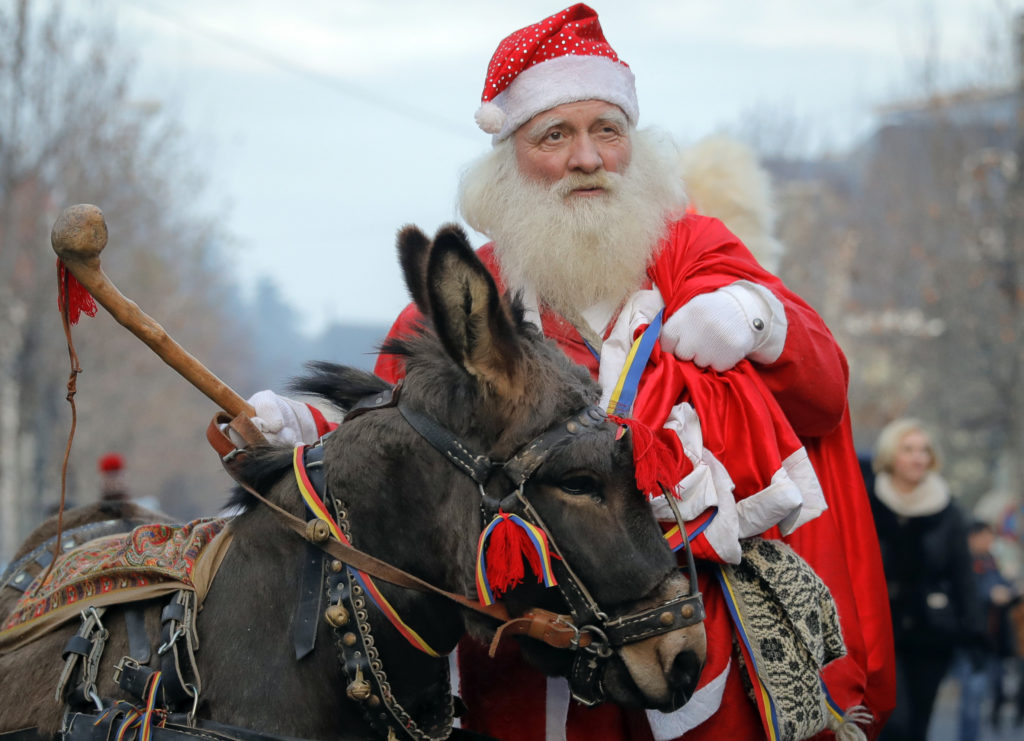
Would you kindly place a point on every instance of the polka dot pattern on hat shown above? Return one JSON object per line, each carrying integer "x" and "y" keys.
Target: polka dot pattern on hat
{"x": 573, "y": 31}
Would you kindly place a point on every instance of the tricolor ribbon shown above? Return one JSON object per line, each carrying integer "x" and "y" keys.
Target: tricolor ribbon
{"x": 136, "y": 718}
{"x": 314, "y": 503}
{"x": 316, "y": 507}
{"x": 624, "y": 394}
{"x": 146, "y": 730}
{"x": 131, "y": 720}
{"x": 657, "y": 466}
{"x": 500, "y": 568}
{"x": 674, "y": 536}
{"x": 766, "y": 705}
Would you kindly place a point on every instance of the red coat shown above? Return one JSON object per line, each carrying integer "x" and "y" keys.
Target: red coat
{"x": 798, "y": 399}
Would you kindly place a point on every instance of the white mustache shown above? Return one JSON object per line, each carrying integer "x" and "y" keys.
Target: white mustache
{"x": 568, "y": 184}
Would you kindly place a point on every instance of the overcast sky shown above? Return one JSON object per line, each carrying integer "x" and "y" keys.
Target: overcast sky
{"x": 324, "y": 125}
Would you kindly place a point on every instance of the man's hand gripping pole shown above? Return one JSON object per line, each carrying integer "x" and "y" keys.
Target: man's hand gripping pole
{"x": 78, "y": 237}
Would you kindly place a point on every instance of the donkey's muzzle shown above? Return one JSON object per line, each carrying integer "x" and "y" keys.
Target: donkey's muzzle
{"x": 682, "y": 678}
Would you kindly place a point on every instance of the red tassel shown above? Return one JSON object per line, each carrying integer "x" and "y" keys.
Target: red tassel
{"x": 80, "y": 301}
{"x": 657, "y": 465}
{"x": 507, "y": 545}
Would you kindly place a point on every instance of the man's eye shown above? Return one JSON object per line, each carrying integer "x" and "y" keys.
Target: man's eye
{"x": 555, "y": 136}
{"x": 580, "y": 486}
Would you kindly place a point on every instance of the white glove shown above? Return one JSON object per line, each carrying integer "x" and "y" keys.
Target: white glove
{"x": 720, "y": 328}
{"x": 282, "y": 421}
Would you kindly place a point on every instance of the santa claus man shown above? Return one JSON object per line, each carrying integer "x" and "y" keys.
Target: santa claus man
{"x": 738, "y": 378}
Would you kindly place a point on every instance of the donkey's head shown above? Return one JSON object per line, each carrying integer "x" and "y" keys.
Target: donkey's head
{"x": 523, "y": 414}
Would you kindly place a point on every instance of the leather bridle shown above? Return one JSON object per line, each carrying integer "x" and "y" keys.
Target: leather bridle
{"x": 589, "y": 631}
{"x": 603, "y": 634}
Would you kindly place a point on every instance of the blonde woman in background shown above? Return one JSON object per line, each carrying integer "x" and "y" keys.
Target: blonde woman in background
{"x": 923, "y": 537}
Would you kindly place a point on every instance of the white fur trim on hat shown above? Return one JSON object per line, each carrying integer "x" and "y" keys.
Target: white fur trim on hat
{"x": 566, "y": 79}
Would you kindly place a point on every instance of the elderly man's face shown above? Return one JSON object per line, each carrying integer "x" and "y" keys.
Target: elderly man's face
{"x": 573, "y": 138}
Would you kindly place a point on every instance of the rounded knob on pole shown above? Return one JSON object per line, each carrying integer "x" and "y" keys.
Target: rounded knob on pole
{"x": 79, "y": 233}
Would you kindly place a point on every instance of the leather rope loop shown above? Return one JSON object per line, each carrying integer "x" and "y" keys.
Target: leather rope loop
{"x": 63, "y": 279}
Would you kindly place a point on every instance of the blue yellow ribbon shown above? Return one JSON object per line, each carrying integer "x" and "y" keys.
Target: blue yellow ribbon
{"x": 624, "y": 393}
{"x": 831, "y": 704}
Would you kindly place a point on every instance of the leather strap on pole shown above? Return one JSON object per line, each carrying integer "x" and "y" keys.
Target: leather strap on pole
{"x": 222, "y": 443}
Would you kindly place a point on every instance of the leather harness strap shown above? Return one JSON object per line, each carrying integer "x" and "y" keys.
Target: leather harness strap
{"x": 542, "y": 625}
{"x": 477, "y": 466}
{"x": 308, "y": 606}
{"x": 562, "y": 632}
{"x": 135, "y": 626}
{"x": 558, "y": 630}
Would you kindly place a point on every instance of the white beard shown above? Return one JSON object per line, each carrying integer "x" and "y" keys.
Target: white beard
{"x": 575, "y": 253}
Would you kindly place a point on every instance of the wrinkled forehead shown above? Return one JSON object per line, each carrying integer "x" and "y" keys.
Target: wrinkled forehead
{"x": 581, "y": 115}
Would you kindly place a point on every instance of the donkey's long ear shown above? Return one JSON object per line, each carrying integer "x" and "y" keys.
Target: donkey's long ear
{"x": 413, "y": 248}
{"x": 470, "y": 317}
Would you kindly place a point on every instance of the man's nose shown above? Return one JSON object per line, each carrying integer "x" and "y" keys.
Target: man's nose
{"x": 585, "y": 156}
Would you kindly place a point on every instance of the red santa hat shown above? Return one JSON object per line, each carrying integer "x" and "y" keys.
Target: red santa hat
{"x": 562, "y": 59}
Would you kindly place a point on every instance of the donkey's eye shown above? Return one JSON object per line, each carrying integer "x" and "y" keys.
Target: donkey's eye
{"x": 580, "y": 486}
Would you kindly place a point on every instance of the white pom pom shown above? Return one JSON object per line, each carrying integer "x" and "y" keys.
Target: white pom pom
{"x": 490, "y": 118}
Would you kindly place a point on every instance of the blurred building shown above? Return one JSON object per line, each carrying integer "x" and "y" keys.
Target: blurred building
{"x": 911, "y": 246}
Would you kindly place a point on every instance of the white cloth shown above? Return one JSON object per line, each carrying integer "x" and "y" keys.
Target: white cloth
{"x": 704, "y": 703}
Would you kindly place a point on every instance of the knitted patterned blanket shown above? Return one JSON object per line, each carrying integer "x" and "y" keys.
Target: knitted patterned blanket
{"x": 147, "y": 562}
{"x": 787, "y": 629}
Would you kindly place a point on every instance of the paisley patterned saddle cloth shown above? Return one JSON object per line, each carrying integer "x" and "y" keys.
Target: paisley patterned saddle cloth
{"x": 149, "y": 561}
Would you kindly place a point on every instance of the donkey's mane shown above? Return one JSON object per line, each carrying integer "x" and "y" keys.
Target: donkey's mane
{"x": 339, "y": 385}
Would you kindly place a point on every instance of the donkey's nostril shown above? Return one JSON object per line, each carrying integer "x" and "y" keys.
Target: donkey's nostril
{"x": 683, "y": 677}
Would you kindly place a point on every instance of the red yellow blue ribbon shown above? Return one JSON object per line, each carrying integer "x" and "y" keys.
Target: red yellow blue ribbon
{"x": 136, "y": 718}
{"x": 317, "y": 508}
{"x": 831, "y": 704}
{"x": 674, "y": 536}
{"x": 313, "y": 502}
{"x": 766, "y": 706}
{"x": 624, "y": 393}
{"x": 537, "y": 539}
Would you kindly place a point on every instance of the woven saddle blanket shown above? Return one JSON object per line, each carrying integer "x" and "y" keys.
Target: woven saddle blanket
{"x": 149, "y": 561}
